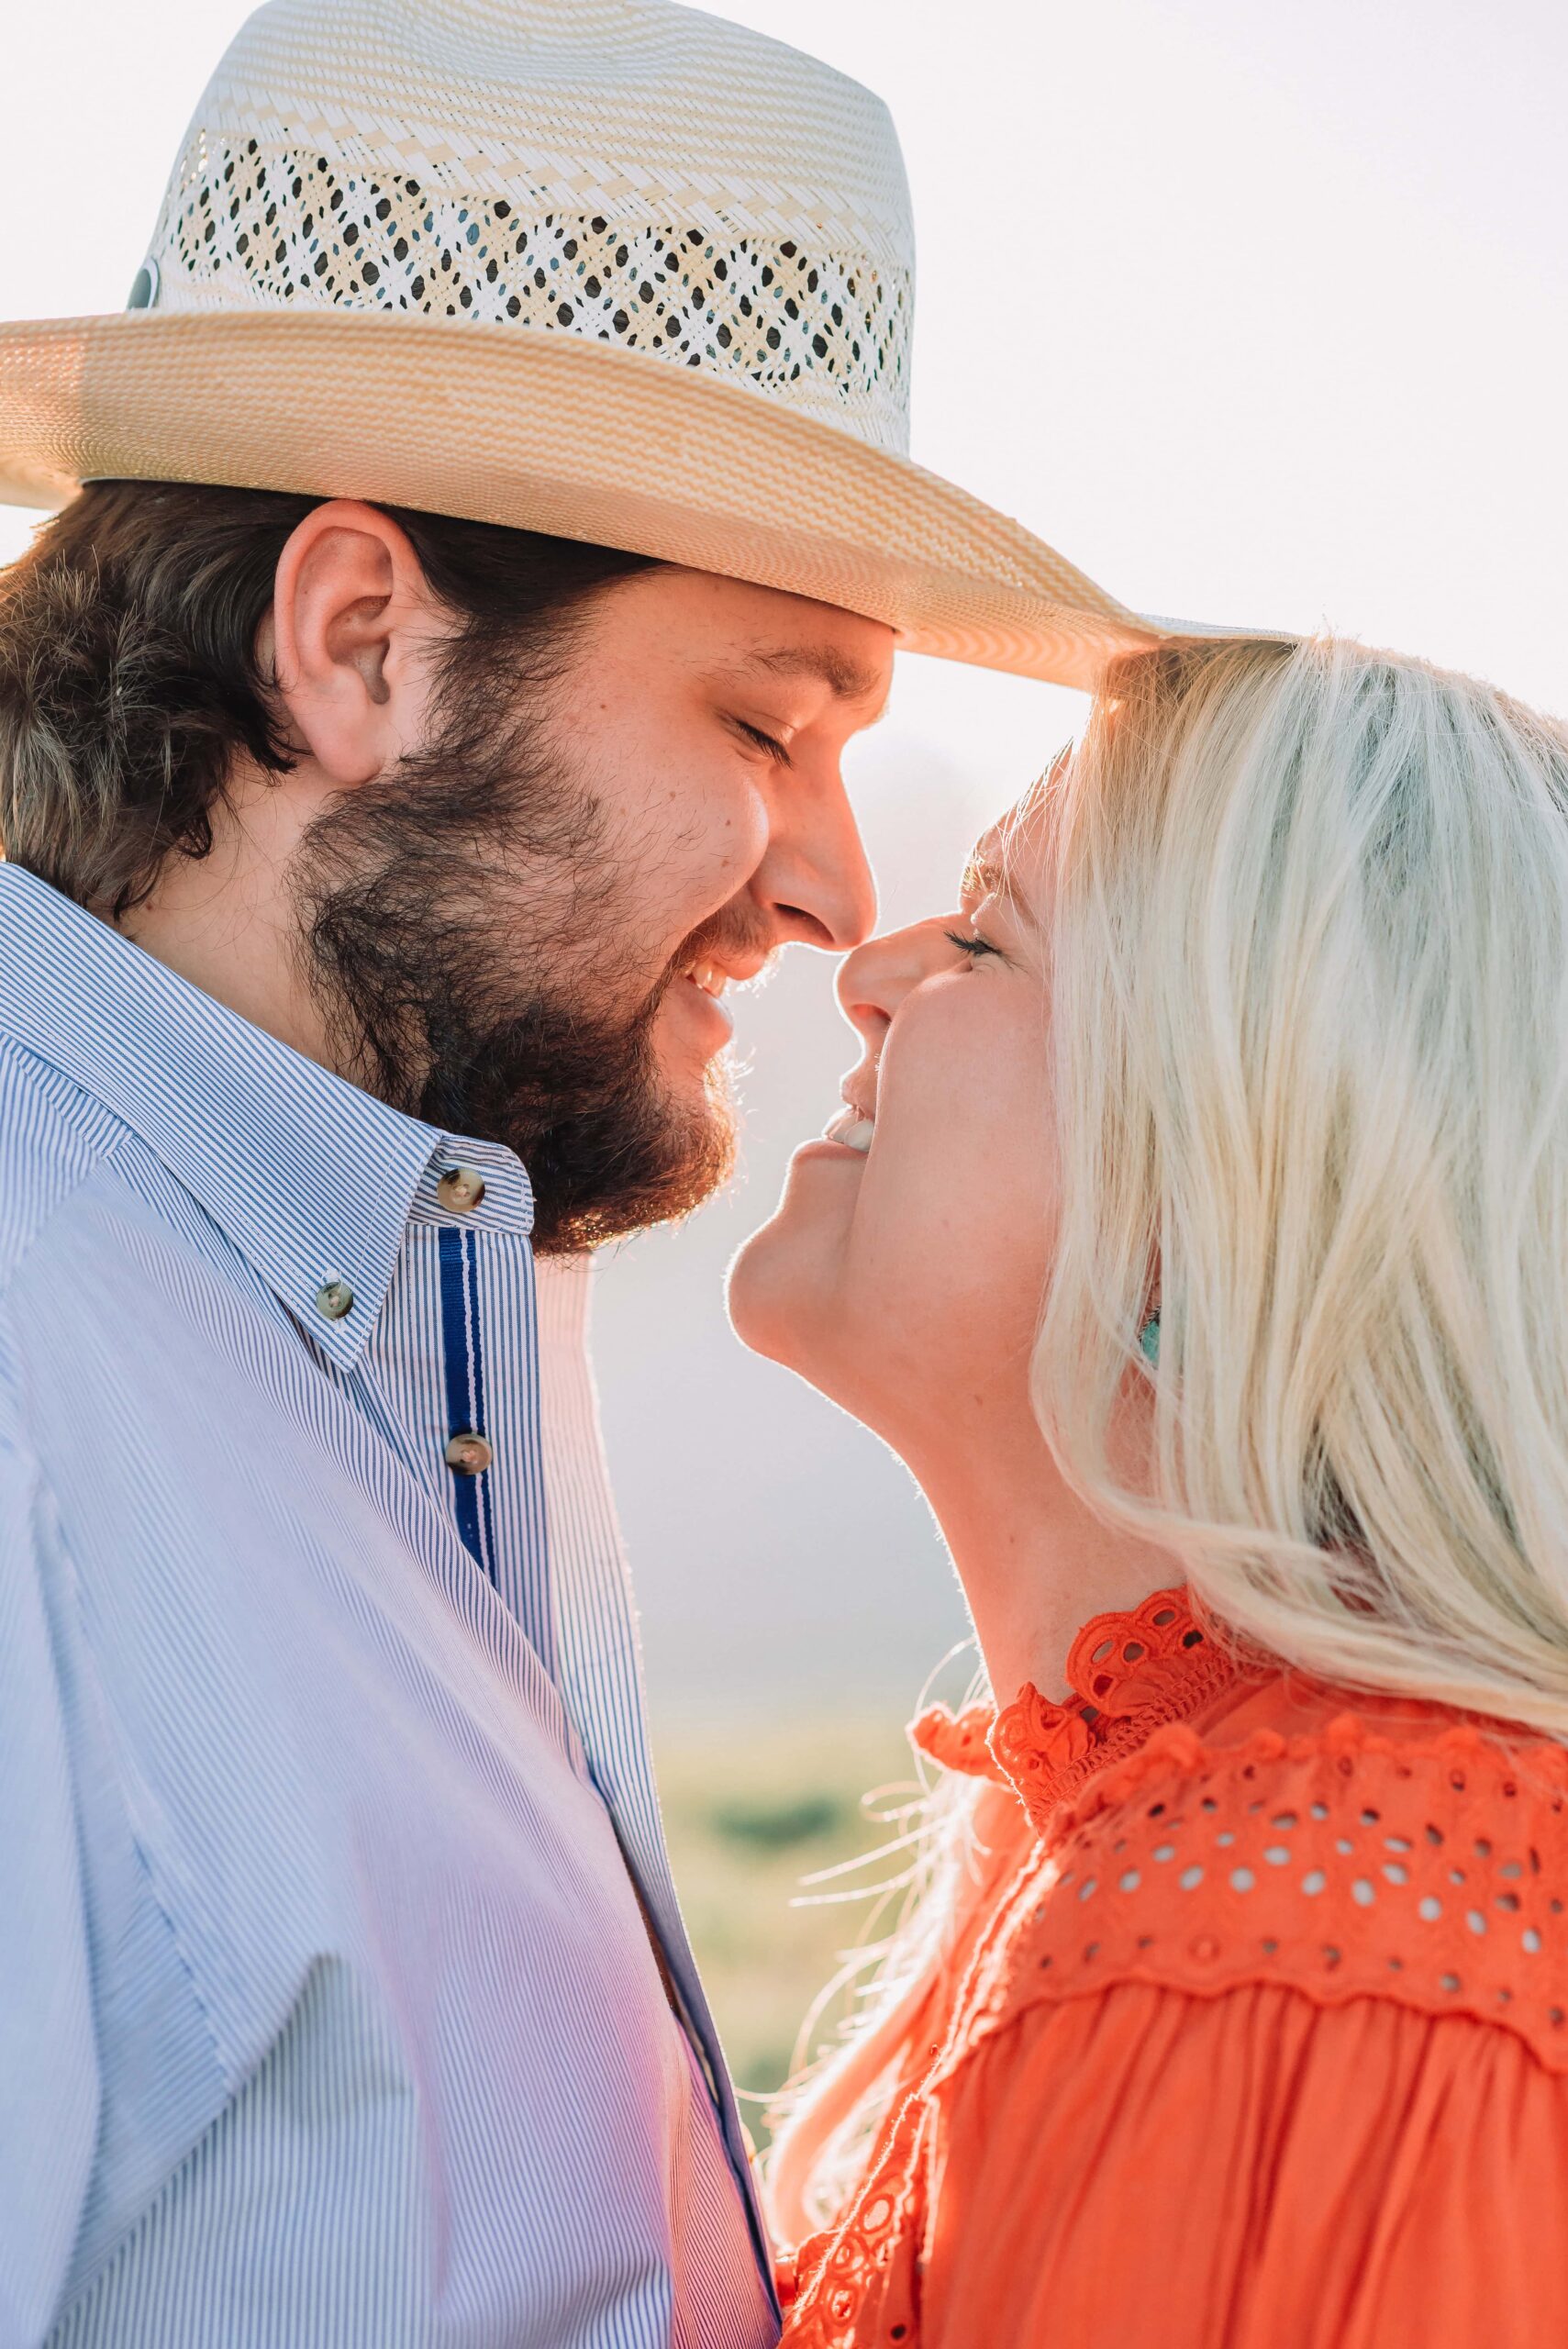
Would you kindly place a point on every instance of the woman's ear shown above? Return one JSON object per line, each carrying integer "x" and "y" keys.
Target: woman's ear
{"x": 350, "y": 642}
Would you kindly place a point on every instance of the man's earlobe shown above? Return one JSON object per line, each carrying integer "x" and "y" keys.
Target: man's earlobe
{"x": 352, "y": 621}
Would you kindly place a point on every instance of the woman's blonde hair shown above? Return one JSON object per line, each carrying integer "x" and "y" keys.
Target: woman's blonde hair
{"x": 1307, "y": 912}
{"x": 1303, "y": 908}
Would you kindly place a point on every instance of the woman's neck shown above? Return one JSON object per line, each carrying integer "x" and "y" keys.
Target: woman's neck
{"x": 1034, "y": 1561}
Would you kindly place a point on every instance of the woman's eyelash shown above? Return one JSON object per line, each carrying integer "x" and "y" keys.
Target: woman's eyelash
{"x": 768, "y": 742}
{"x": 970, "y": 942}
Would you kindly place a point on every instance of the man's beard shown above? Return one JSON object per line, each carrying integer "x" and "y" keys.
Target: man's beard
{"x": 454, "y": 916}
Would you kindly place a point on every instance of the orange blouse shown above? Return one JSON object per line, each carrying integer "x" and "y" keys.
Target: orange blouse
{"x": 1263, "y": 2042}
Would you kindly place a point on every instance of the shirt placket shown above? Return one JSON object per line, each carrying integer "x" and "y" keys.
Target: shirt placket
{"x": 599, "y": 1669}
{"x": 465, "y": 1334}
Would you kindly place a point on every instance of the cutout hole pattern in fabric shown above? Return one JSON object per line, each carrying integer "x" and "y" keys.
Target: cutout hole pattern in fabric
{"x": 288, "y": 226}
{"x": 1132, "y": 1672}
{"x": 1349, "y": 1864}
{"x": 852, "y": 2293}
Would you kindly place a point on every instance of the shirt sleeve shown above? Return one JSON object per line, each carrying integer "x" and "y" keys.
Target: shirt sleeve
{"x": 49, "y": 2069}
{"x": 1173, "y": 2171}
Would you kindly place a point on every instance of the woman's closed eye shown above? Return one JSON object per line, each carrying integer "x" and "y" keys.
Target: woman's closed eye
{"x": 970, "y": 942}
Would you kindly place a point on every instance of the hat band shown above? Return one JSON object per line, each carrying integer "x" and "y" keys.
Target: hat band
{"x": 827, "y": 333}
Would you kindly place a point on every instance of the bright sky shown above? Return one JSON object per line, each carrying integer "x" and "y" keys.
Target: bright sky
{"x": 1255, "y": 308}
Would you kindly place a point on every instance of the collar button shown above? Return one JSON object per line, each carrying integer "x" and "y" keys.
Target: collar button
{"x": 461, "y": 1188}
{"x": 333, "y": 1299}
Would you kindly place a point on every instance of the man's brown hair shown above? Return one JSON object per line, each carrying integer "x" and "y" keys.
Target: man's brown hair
{"x": 128, "y": 677}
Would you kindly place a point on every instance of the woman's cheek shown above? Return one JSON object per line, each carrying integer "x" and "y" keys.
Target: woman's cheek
{"x": 924, "y": 1204}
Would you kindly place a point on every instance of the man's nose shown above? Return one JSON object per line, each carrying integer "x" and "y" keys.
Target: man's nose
{"x": 817, "y": 881}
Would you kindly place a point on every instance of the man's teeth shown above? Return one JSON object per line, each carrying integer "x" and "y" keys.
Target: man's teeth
{"x": 850, "y": 1129}
{"x": 709, "y": 978}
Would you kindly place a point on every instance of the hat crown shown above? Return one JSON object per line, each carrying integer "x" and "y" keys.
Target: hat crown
{"x": 628, "y": 171}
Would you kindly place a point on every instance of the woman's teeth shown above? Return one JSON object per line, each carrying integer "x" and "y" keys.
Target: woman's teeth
{"x": 850, "y": 1129}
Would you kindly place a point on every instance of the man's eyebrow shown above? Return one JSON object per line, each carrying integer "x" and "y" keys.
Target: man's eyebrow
{"x": 844, "y": 678}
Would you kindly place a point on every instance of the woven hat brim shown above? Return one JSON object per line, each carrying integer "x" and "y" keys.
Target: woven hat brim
{"x": 550, "y": 432}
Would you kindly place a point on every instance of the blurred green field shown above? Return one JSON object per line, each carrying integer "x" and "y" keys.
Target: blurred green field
{"x": 748, "y": 1811}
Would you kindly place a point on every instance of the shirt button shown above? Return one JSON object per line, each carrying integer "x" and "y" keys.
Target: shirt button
{"x": 468, "y": 1454}
{"x": 460, "y": 1188}
{"x": 333, "y": 1299}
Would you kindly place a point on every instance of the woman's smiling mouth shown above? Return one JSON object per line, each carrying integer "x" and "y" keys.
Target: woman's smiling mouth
{"x": 853, "y": 1128}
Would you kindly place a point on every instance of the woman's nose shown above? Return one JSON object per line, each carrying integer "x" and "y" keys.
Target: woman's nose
{"x": 874, "y": 981}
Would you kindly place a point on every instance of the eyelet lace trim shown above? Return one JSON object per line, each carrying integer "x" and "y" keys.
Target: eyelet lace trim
{"x": 960, "y": 1742}
{"x": 841, "y": 2290}
{"x": 1346, "y": 1865}
{"x": 1131, "y": 1672}
{"x": 1431, "y": 1872}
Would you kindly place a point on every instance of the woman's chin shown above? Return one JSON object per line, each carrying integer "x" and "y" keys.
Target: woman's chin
{"x": 783, "y": 1283}
{"x": 758, "y": 1295}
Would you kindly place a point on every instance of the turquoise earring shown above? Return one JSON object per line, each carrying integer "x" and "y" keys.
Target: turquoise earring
{"x": 1148, "y": 1337}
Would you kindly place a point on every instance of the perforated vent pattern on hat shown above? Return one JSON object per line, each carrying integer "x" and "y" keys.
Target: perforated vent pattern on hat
{"x": 829, "y": 332}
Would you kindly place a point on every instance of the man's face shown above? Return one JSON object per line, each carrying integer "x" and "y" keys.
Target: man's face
{"x": 525, "y": 933}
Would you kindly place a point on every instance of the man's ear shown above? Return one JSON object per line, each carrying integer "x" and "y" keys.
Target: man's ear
{"x": 350, "y": 641}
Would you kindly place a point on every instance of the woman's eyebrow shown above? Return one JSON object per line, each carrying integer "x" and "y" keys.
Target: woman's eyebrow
{"x": 983, "y": 878}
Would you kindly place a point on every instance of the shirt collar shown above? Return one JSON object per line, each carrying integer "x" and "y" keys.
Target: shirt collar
{"x": 313, "y": 1180}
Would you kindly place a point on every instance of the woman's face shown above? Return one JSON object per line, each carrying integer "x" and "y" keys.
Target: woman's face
{"x": 904, "y": 1270}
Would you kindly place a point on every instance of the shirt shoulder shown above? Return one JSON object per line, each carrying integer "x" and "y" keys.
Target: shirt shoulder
{"x": 1401, "y": 1853}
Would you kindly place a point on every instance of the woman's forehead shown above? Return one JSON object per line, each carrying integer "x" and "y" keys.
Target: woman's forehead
{"x": 1003, "y": 860}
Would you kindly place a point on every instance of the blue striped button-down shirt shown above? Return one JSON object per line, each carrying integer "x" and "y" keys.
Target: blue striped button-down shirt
{"x": 328, "y": 2013}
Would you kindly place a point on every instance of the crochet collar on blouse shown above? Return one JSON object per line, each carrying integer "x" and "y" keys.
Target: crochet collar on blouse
{"x": 1130, "y": 1673}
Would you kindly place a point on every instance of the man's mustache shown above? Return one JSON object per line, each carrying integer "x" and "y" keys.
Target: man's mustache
{"x": 734, "y": 934}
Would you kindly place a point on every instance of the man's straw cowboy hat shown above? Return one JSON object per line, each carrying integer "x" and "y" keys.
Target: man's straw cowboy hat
{"x": 609, "y": 269}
